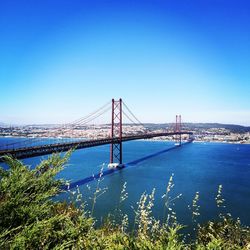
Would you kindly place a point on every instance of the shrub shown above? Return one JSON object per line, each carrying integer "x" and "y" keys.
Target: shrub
{"x": 31, "y": 219}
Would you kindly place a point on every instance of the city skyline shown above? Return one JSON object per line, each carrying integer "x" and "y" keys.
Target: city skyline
{"x": 61, "y": 60}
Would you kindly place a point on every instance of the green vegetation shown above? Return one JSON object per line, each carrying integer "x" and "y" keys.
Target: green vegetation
{"x": 30, "y": 219}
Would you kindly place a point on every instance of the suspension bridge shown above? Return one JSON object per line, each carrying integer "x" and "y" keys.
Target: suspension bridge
{"x": 31, "y": 147}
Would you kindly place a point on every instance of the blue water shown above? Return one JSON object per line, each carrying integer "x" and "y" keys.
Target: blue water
{"x": 196, "y": 167}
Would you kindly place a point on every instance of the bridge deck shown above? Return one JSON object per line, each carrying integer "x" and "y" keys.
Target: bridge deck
{"x": 27, "y": 152}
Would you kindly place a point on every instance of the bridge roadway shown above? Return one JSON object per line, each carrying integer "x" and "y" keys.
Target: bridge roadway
{"x": 28, "y": 152}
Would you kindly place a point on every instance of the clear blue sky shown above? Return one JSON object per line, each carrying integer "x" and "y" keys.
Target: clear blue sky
{"x": 60, "y": 60}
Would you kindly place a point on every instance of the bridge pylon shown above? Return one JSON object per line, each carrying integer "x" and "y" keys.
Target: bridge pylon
{"x": 116, "y": 134}
{"x": 178, "y": 129}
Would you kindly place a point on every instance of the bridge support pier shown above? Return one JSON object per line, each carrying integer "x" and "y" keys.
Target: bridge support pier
{"x": 116, "y": 133}
{"x": 178, "y": 129}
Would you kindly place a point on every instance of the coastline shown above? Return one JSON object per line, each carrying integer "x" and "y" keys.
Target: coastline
{"x": 151, "y": 140}
{"x": 199, "y": 141}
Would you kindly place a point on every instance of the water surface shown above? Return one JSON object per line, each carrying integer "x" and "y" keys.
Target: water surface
{"x": 196, "y": 167}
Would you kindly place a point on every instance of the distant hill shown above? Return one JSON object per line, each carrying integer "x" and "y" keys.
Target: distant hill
{"x": 154, "y": 126}
{"x": 232, "y": 127}
{"x": 192, "y": 126}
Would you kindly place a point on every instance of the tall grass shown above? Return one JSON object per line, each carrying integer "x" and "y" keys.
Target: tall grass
{"x": 31, "y": 219}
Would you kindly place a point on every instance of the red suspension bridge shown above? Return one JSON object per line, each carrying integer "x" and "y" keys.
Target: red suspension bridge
{"x": 39, "y": 146}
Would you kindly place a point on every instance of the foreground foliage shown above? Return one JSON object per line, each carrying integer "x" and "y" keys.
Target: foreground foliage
{"x": 31, "y": 219}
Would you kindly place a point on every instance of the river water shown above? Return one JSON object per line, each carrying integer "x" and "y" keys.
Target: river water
{"x": 195, "y": 167}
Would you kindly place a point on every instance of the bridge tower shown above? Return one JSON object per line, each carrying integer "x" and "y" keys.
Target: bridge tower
{"x": 178, "y": 128}
{"x": 116, "y": 134}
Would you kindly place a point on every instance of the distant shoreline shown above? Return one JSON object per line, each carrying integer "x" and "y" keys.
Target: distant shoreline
{"x": 199, "y": 141}
{"x": 152, "y": 140}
